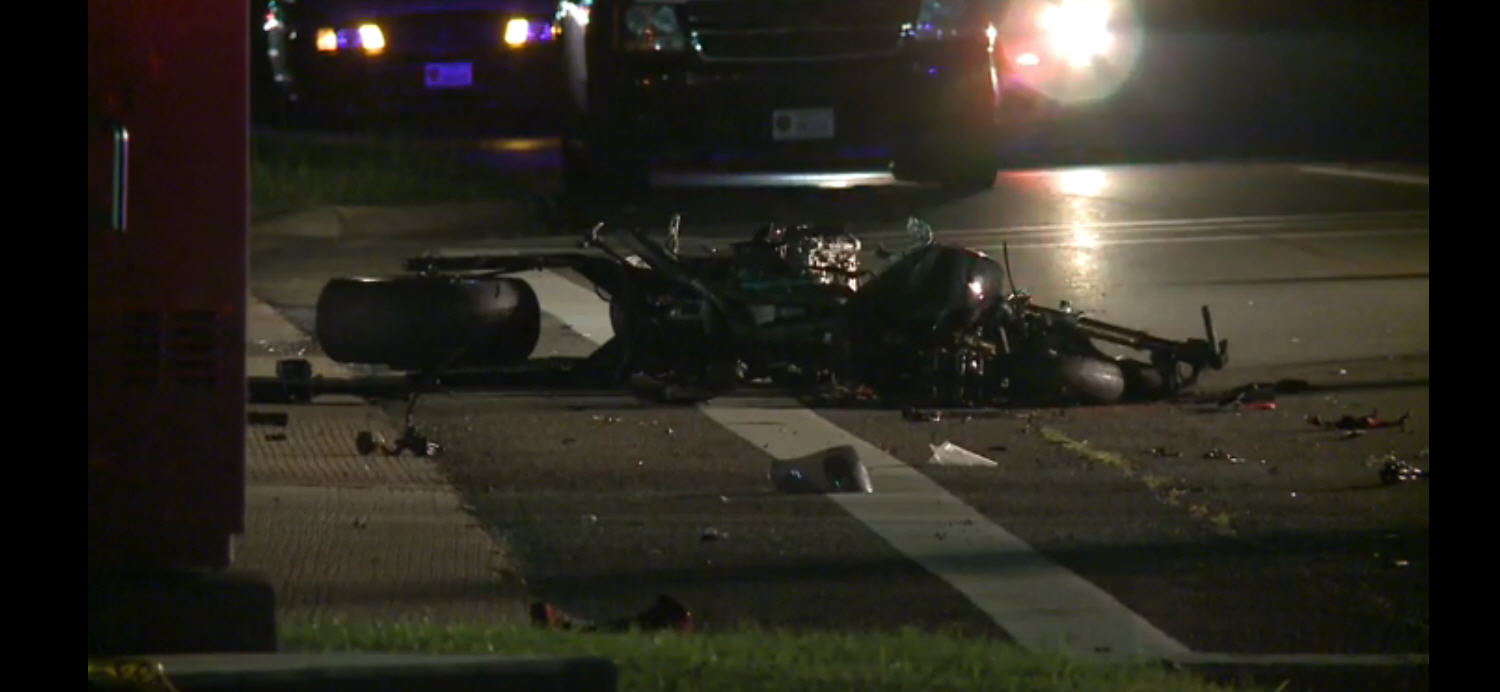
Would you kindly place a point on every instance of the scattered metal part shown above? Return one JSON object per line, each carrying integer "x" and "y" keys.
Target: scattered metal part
{"x": 1351, "y": 434}
{"x": 1370, "y": 422}
{"x": 276, "y": 437}
{"x": 949, "y": 454}
{"x": 1261, "y": 392}
{"x": 1217, "y": 453}
{"x": 834, "y": 470}
{"x": 1164, "y": 452}
{"x": 1398, "y": 471}
{"x": 271, "y": 418}
{"x": 1261, "y": 406}
{"x": 590, "y": 518}
{"x": 921, "y": 415}
{"x": 665, "y": 614}
{"x": 712, "y": 534}
{"x": 367, "y": 443}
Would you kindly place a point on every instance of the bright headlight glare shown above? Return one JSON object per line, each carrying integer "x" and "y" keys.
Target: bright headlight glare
{"x": 328, "y": 41}
{"x": 650, "y": 26}
{"x": 371, "y": 38}
{"x": 1078, "y": 30}
{"x": 517, "y": 31}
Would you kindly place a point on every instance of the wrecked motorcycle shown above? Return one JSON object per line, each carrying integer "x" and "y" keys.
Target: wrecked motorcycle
{"x": 790, "y": 306}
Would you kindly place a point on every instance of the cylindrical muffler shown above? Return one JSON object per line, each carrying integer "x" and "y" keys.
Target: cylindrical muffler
{"x": 427, "y": 322}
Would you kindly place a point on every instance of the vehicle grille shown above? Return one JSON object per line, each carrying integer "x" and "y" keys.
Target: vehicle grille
{"x": 772, "y": 30}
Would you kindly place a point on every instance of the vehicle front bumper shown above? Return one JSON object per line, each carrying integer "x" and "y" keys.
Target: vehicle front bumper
{"x": 682, "y": 103}
{"x": 510, "y": 82}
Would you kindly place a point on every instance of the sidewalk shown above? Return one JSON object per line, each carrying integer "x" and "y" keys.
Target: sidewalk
{"x": 339, "y": 534}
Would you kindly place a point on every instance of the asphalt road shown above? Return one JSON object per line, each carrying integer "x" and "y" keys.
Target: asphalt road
{"x": 1312, "y": 273}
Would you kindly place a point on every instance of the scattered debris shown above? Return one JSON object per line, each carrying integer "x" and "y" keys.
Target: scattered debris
{"x": 1262, "y": 392}
{"x": 665, "y": 614}
{"x": 1164, "y": 452}
{"x": 1351, "y": 434}
{"x": 1400, "y": 563}
{"x": 276, "y": 437}
{"x": 568, "y": 440}
{"x": 917, "y": 415}
{"x": 1370, "y": 422}
{"x": 1261, "y": 406}
{"x": 272, "y": 418}
{"x": 361, "y": 522}
{"x": 1217, "y": 453}
{"x": 590, "y": 518}
{"x": 835, "y": 470}
{"x": 712, "y": 534}
{"x": 1398, "y": 471}
{"x": 949, "y": 454}
{"x": 998, "y": 448}
{"x": 366, "y": 443}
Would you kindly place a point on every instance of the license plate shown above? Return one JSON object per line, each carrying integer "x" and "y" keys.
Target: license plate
{"x": 792, "y": 124}
{"x": 448, "y": 75}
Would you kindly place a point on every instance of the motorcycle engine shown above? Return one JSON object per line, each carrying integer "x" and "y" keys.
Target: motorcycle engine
{"x": 828, "y": 255}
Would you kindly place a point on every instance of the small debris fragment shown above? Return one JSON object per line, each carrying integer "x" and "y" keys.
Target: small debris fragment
{"x": 364, "y": 443}
{"x": 1370, "y": 422}
{"x": 1217, "y": 453}
{"x": 665, "y": 614}
{"x": 1400, "y": 563}
{"x": 568, "y": 440}
{"x": 836, "y": 470}
{"x": 590, "y": 518}
{"x": 1351, "y": 434}
{"x": 1164, "y": 452}
{"x": 712, "y": 534}
{"x": 276, "y": 437}
{"x": 1261, "y": 406}
{"x": 949, "y": 454}
{"x": 917, "y": 415}
{"x": 1398, "y": 471}
{"x": 361, "y": 522}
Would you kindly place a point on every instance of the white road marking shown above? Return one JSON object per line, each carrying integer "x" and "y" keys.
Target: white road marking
{"x": 574, "y": 305}
{"x": 1402, "y": 178}
{"x": 1042, "y": 605}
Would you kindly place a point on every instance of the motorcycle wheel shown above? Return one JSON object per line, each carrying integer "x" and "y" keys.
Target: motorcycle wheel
{"x": 1091, "y": 380}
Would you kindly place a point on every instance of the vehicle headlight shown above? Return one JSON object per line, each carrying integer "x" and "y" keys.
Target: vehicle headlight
{"x": 940, "y": 19}
{"x": 652, "y": 27}
{"x": 1077, "y": 30}
{"x": 520, "y": 31}
{"x": 366, "y": 37}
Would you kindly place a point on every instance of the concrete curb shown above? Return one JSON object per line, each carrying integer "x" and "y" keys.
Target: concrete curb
{"x": 509, "y": 217}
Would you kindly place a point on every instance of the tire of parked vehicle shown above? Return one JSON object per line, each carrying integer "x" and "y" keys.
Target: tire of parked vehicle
{"x": 428, "y": 322}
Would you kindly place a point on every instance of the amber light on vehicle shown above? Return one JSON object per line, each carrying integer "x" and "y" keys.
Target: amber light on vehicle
{"x": 517, "y": 31}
